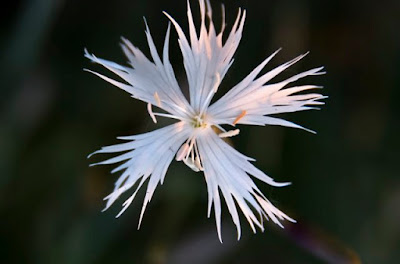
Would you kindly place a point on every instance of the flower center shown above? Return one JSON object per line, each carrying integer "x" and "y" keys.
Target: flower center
{"x": 199, "y": 122}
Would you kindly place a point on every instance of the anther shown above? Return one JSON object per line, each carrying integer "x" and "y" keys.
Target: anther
{"x": 242, "y": 114}
{"x": 150, "y": 110}
{"x": 230, "y": 133}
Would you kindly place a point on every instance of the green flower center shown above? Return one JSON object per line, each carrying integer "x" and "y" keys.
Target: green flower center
{"x": 198, "y": 122}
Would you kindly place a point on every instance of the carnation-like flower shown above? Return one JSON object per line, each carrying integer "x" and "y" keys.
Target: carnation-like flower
{"x": 196, "y": 137}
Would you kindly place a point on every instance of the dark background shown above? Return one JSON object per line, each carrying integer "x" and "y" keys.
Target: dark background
{"x": 346, "y": 187}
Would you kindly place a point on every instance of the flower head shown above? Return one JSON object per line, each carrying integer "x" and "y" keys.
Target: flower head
{"x": 196, "y": 137}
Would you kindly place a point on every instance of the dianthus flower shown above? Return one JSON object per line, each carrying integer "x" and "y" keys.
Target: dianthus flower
{"x": 196, "y": 138}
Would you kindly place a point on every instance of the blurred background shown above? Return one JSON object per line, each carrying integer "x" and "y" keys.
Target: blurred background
{"x": 346, "y": 187}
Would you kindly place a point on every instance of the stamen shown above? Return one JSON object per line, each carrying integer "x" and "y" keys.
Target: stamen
{"x": 244, "y": 112}
{"x": 184, "y": 149}
{"x": 190, "y": 148}
{"x": 216, "y": 127}
{"x": 171, "y": 116}
{"x": 197, "y": 160}
{"x": 197, "y": 163}
{"x": 189, "y": 154}
{"x": 157, "y": 99}
{"x": 150, "y": 110}
{"x": 230, "y": 133}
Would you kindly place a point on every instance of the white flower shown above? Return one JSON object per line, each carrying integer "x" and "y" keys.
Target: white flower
{"x": 193, "y": 139}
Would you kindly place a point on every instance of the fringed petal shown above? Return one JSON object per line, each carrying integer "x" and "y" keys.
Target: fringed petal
{"x": 206, "y": 58}
{"x": 145, "y": 79}
{"x": 230, "y": 172}
{"x": 257, "y": 98}
{"x": 147, "y": 156}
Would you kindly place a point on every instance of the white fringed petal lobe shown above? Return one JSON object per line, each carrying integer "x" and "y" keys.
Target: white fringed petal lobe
{"x": 206, "y": 58}
{"x": 147, "y": 156}
{"x": 228, "y": 171}
{"x": 196, "y": 139}
{"x": 259, "y": 99}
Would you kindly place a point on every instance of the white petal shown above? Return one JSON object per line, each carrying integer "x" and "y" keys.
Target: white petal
{"x": 227, "y": 170}
{"x": 206, "y": 57}
{"x": 148, "y": 157}
{"x": 146, "y": 78}
{"x": 258, "y": 99}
